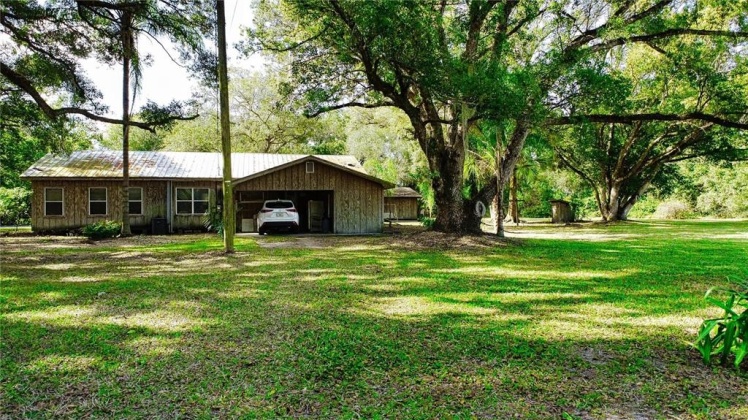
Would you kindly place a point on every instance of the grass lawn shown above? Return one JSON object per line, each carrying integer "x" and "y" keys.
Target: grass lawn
{"x": 566, "y": 322}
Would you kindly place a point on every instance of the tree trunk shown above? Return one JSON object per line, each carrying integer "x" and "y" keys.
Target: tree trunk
{"x": 513, "y": 204}
{"x": 127, "y": 50}
{"x": 455, "y": 214}
{"x": 496, "y": 222}
{"x": 229, "y": 215}
{"x": 499, "y": 199}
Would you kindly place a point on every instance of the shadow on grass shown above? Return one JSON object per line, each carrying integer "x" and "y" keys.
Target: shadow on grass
{"x": 542, "y": 329}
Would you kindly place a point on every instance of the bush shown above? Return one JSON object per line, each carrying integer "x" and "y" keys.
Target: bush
{"x": 673, "y": 209}
{"x": 102, "y": 230}
{"x": 646, "y": 207}
{"x": 428, "y": 222}
{"x": 728, "y": 334}
{"x": 15, "y": 206}
{"x": 213, "y": 220}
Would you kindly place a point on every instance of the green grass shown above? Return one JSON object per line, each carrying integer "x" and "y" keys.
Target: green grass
{"x": 580, "y": 322}
{"x": 14, "y": 229}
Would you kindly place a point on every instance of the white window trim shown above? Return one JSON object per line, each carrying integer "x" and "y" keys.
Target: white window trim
{"x": 191, "y": 201}
{"x": 47, "y": 201}
{"x": 105, "y": 201}
{"x": 136, "y": 201}
{"x": 308, "y": 166}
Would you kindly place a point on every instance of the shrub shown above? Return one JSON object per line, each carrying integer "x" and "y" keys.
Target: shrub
{"x": 728, "y": 334}
{"x": 673, "y": 209}
{"x": 646, "y": 207}
{"x": 102, "y": 230}
{"x": 213, "y": 220}
{"x": 428, "y": 222}
{"x": 15, "y": 206}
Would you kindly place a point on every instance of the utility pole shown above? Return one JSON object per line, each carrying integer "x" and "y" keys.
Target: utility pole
{"x": 229, "y": 216}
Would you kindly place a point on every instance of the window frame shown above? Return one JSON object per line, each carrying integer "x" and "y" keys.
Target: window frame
{"x": 308, "y": 166}
{"x": 142, "y": 210}
{"x": 62, "y": 201}
{"x": 192, "y": 200}
{"x": 105, "y": 201}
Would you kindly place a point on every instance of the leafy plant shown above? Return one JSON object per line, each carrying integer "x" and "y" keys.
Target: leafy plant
{"x": 727, "y": 334}
{"x": 213, "y": 220}
{"x": 428, "y": 222}
{"x": 15, "y": 206}
{"x": 102, "y": 230}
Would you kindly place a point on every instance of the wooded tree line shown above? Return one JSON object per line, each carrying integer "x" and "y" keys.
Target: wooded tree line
{"x": 457, "y": 96}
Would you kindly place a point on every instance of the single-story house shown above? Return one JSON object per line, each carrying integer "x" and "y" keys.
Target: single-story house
{"x": 178, "y": 188}
{"x": 401, "y": 203}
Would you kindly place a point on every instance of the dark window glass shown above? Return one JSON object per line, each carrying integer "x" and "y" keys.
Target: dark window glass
{"x": 201, "y": 207}
{"x": 135, "y": 194}
{"x": 135, "y": 207}
{"x": 201, "y": 194}
{"x": 53, "y": 209}
{"x": 184, "y": 207}
{"x": 184, "y": 193}
{"x": 97, "y": 207}
{"x": 53, "y": 194}
{"x": 97, "y": 194}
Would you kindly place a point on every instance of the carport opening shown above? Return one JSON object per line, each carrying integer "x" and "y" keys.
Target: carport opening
{"x": 315, "y": 209}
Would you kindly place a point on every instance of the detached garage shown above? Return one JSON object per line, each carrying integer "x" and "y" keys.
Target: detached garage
{"x": 332, "y": 192}
{"x": 401, "y": 203}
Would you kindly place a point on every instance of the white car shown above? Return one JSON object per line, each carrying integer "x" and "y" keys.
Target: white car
{"x": 278, "y": 215}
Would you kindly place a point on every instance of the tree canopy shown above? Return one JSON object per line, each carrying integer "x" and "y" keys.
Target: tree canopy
{"x": 452, "y": 65}
{"x": 45, "y": 43}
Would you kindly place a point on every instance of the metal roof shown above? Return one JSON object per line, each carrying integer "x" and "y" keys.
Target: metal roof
{"x": 402, "y": 192}
{"x": 178, "y": 165}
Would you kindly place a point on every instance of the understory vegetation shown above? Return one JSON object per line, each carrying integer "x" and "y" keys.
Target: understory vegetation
{"x": 558, "y": 322}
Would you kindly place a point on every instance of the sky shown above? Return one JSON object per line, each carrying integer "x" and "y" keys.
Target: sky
{"x": 164, "y": 80}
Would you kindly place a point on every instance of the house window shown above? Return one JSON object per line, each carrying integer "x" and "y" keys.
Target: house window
{"x": 135, "y": 200}
{"x": 53, "y": 202}
{"x": 192, "y": 200}
{"x": 97, "y": 204}
{"x": 310, "y": 167}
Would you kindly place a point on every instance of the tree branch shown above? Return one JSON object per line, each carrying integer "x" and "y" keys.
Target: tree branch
{"x": 53, "y": 113}
{"x": 349, "y": 105}
{"x": 670, "y": 33}
{"x": 656, "y": 116}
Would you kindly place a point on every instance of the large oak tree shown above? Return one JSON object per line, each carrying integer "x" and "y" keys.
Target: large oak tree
{"x": 452, "y": 64}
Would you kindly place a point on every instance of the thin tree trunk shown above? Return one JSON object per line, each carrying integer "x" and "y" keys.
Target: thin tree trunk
{"x": 500, "y": 185}
{"x": 127, "y": 50}
{"x": 229, "y": 215}
{"x": 513, "y": 204}
{"x": 495, "y": 213}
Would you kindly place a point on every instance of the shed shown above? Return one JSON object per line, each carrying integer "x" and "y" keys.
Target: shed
{"x": 401, "y": 203}
{"x": 561, "y": 211}
{"x": 85, "y": 187}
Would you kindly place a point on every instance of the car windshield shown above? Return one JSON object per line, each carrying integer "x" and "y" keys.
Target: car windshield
{"x": 279, "y": 205}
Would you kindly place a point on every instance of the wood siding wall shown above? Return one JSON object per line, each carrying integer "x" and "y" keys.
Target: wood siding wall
{"x": 75, "y": 204}
{"x": 75, "y": 207}
{"x": 358, "y": 202}
{"x": 406, "y": 208}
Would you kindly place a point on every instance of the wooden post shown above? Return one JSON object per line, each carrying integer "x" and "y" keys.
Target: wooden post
{"x": 229, "y": 216}
{"x": 127, "y": 53}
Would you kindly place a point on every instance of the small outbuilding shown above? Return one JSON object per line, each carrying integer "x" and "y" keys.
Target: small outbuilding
{"x": 561, "y": 212}
{"x": 401, "y": 203}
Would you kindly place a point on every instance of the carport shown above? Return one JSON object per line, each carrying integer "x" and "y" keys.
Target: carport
{"x": 315, "y": 208}
{"x": 332, "y": 194}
